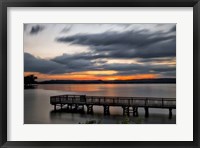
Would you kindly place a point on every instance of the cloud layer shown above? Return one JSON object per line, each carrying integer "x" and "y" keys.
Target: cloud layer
{"x": 67, "y": 64}
{"x": 153, "y": 52}
{"x": 36, "y": 29}
{"x": 129, "y": 44}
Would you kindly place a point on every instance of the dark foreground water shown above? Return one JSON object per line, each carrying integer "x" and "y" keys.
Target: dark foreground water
{"x": 37, "y": 108}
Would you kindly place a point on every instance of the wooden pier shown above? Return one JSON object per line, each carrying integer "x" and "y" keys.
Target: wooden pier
{"x": 129, "y": 104}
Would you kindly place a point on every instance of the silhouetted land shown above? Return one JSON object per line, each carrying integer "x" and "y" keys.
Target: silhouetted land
{"x": 138, "y": 81}
{"x": 29, "y": 82}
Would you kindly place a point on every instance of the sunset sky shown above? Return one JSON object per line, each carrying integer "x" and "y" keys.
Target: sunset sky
{"x": 100, "y": 51}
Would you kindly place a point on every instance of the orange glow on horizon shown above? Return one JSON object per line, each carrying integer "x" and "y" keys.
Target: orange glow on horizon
{"x": 90, "y": 75}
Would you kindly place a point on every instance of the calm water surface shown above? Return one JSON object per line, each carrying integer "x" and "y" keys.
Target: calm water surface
{"x": 37, "y": 108}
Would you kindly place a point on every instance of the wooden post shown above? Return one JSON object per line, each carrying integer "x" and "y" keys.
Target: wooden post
{"x": 90, "y": 109}
{"x": 146, "y": 102}
{"x": 135, "y": 112}
{"x": 70, "y": 106}
{"x": 87, "y": 108}
{"x": 127, "y": 111}
{"x": 170, "y": 113}
{"x": 106, "y": 110}
{"x": 67, "y": 107}
{"x": 123, "y": 110}
{"x": 146, "y": 112}
{"x": 73, "y": 99}
{"x": 59, "y": 99}
{"x": 132, "y": 101}
{"x": 83, "y": 108}
{"x": 76, "y": 107}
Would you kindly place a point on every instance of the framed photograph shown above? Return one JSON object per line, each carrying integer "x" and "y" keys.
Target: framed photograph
{"x": 99, "y": 73}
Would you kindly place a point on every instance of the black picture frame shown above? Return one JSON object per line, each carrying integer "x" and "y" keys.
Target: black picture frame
{"x": 4, "y": 4}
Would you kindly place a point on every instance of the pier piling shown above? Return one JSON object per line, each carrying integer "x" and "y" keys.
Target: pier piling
{"x": 126, "y": 110}
{"x": 146, "y": 112}
{"x": 135, "y": 112}
{"x": 106, "y": 110}
{"x": 170, "y": 113}
{"x": 90, "y": 109}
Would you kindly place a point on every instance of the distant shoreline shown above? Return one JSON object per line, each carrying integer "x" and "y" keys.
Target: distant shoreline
{"x": 138, "y": 81}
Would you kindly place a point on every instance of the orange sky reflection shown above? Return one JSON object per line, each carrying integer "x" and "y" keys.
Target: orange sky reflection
{"x": 91, "y": 76}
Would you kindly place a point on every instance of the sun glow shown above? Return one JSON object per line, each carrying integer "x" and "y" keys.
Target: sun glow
{"x": 91, "y": 75}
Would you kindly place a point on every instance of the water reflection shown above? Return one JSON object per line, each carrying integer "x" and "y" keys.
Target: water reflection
{"x": 129, "y": 90}
{"x": 71, "y": 87}
{"x": 62, "y": 117}
{"x": 38, "y": 110}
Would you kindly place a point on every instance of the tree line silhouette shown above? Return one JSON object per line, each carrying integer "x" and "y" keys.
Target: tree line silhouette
{"x": 29, "y": 81}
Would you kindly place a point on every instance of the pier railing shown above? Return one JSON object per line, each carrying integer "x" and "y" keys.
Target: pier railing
{"x": 76, "y": 101}
{"x": 114, "y": 101}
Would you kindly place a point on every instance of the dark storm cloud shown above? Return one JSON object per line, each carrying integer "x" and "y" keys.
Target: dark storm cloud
{"x": 78, "y": 62}
{"x": 66, "y": 29}
{"x": 133, "y": 38}
{"x": 85, "y": 61}
{"x": 84, "y": 57}
{"x": 129, "y": 44}
{"x": 173, "y": 29}
{"x": 34, "y": 64}
{"x": 36, "y": 29}
{"x": 166, "y": 73}
{"x": 157, "y": 60}
{"x": 68, "y": 64}
{"x": 139, "y": 68}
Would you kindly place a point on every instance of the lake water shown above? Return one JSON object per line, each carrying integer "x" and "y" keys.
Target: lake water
{"x": 38, "y": 110}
